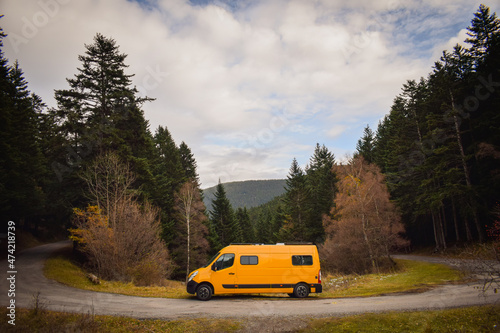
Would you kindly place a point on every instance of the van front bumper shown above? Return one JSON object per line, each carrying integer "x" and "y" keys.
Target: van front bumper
{"x": 191, "y": 287}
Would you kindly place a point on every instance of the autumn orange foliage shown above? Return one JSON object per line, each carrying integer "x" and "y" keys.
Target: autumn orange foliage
{"x": 364, "y": 225}
{"x": 132, "y": 251}
{"x": 93, "y": 235}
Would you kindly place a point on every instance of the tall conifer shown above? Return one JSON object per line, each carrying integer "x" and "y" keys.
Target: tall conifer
{"x": 101, "y": 110}
{"x": 22, "y": 164}
{"x": 225, "y": 226}
{"x": 321, "y": 182}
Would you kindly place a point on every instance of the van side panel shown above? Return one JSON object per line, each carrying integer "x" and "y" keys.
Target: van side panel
{"x": 273, "y": 273}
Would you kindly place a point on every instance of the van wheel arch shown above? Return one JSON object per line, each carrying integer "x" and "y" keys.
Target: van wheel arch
{"x": 301, "y": 290}
{"x": 204, "y": 291}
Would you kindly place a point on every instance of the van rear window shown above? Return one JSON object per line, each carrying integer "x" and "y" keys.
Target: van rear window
{"x": 302, "y": 260}
{"x": 249, "y": 260}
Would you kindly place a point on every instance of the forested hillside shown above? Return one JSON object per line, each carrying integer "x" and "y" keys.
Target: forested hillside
{"x": 250, "y": 193}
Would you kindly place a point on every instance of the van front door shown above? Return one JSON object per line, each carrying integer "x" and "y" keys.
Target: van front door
{"x": 224, "y": 274}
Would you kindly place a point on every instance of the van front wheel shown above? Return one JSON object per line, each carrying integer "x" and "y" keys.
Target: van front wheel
{"x": 204, "y": 292}
{"x": 301, "y": 290}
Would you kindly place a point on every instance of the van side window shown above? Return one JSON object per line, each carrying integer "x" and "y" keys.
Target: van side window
{"x": 225, "y": 261}
{"x": 302, "y": 260}
{"x": 249, "y": 260}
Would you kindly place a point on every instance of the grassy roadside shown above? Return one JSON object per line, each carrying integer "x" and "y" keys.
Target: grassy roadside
{"x": 470, "y": 319}
{"x": 411, "y": 277}
{"x": 51, "y": 321}
{"x": 62, "y": 269}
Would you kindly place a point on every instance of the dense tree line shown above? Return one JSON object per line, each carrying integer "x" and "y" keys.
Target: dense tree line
{"x": 439, "y": 145}
{"x": 49, "y": 154}
{"x": 24, "y": 187}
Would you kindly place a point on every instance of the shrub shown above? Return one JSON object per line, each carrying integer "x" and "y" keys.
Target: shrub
{"x": 132, "y": 251}
{"x": 119, "y": 236}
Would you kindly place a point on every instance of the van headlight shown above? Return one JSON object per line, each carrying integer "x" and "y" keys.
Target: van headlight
{"x": 192, "y": 276}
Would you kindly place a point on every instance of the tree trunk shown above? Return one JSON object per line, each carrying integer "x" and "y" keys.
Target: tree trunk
{"x": 368, "y": 244}
{"x": 442, "y": 231}
{"x": 188, "y": 245}
{"x": 188, "y": 202}
{"x": 455, "y": 221}
{"x": 443, "y": 219}
{"x": 437, "y": 232}
{"x": 465, "y": 168}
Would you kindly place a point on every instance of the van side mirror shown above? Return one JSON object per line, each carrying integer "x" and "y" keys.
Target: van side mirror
{"x": 214, "y": 267}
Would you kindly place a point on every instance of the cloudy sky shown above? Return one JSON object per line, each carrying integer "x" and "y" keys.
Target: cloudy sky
{"x": 248, "y": 85}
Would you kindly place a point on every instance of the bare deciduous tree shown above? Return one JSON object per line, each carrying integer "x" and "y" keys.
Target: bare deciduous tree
{"x": 191, "y": 212}
{"x": 120, "y": 236}
{"x": 108, "y": 183}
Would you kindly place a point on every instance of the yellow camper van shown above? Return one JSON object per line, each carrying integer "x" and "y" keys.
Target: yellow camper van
{"x": 259, "y": 268}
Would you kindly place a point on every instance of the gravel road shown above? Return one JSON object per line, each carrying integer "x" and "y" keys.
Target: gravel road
{"x": 29, "y": 280}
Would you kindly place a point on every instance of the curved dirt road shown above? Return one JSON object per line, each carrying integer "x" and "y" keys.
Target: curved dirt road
{"x": 29, "y": 280}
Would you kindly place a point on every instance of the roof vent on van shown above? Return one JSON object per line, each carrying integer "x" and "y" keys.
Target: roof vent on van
{"x": 280, "y": 243}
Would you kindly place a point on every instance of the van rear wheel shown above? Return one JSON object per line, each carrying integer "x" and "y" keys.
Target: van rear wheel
{"x": 301, "y": 290}
{"x": 204, "y": 292}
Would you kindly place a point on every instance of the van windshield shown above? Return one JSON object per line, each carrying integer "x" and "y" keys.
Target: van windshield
{"x": 211, "y": 260}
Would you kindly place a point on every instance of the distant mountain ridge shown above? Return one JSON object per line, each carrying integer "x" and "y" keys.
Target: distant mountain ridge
{"x": 249, "y": 193}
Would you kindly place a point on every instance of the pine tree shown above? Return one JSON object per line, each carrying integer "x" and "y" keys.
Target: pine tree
{"x": 22, "y": 164}
{"x": 297, "y": 205}
{"x": 365, "y": 145}
{"x": 414, "y": 98}
{"x": 482, "y": 137}
{"x": 247, "y": 230}
{"x": 101, "y": 110}
{"x": 225, "y": 226}
{"x": 278, "y": 219}
{"x": 321, "y": 182}
{"x": 483, "y": 34}
{"x": 454, "y": 74}
{"x": 167, "y": 176}
{"x": 188, "y": 162}
{"x": 264, "y": 227}
{"x": 398, "y": 152}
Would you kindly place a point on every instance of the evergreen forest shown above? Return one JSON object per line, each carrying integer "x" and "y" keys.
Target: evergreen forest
{"x": 428, "y": 175}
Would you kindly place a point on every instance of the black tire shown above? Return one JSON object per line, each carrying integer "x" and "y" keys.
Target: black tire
{"x": 301, "y": 290}
{"x": 204, "y": 292}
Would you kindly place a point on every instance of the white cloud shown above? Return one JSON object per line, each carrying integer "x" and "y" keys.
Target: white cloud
{"x": 337, "y": 130}
{"x": 248, "y": 88}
